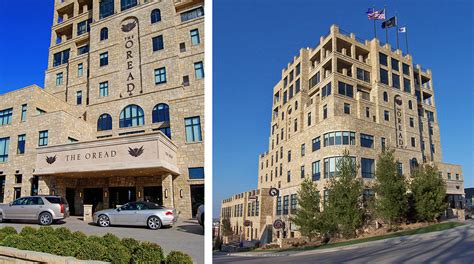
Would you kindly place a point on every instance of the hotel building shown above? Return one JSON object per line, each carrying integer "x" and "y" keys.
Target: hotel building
{"x": 121, "y": 115}
{"x": 344, "y": 94}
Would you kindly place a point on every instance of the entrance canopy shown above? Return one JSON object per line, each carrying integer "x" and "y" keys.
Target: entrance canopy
{"x": 137, "y": 155}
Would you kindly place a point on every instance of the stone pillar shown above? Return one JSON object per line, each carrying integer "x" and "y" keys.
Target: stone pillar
{"x": 95, "y": 10}
{"x": 168, "y": 193}
{"x": 87, "y": 213}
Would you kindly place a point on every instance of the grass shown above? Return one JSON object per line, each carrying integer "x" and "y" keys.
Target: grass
{"x": 421, "y": 230}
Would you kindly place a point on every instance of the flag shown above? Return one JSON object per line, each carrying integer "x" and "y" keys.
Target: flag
{"x": 375, "y": 15}
{"x": 402, "y": 29}
{"x": 392, "y": 22}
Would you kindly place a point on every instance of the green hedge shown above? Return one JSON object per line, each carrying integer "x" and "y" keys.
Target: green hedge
{"x": 110, "y": 248}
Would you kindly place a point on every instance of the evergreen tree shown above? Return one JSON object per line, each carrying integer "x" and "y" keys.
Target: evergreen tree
{"x": 226, "y": 227}
{"x": 344, "y": 206}
{"x": 429, "y": 192}
{"x": 391, "y": 201}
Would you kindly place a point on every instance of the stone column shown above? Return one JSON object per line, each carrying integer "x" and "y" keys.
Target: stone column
{"x": 168, "y": 193}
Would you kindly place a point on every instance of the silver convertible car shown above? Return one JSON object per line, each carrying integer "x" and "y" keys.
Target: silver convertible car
{"x": 137, "y": 214}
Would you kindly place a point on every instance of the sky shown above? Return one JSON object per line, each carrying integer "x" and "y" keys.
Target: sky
{"x": 254, "y": 40}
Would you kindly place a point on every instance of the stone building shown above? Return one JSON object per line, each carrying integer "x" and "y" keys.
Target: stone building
{"x": 355, "y": 95}
{"x": 121, "y": 116}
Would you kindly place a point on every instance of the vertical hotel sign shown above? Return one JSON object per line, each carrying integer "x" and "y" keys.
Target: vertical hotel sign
{"x": 399, "y": 124}
{"x": 131, "y": 55}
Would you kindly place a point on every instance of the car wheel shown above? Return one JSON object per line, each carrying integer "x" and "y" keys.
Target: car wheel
{"x": 104, "y": 221}
{"x": 154, "y": 223}
{"x": 45, "y": 218}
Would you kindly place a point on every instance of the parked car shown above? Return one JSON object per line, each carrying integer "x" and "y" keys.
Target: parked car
{"x": 200, "y": 215}
{"x": 152, "y": 215}
{"x": 45, "y": 209}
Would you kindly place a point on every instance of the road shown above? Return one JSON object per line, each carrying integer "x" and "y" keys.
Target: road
{"x": 186, "y": 235}
{"x": 448, "y": 246}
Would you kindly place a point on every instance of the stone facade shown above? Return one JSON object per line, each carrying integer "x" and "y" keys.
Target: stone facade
{"x": 154, "y": 56}
{"x": 348, "y": 94}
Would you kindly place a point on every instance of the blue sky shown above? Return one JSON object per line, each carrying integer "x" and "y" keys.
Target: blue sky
{"x": 254, "y": 40}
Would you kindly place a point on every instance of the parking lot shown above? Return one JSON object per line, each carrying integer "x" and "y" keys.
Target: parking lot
{"x": 185, "y": 235}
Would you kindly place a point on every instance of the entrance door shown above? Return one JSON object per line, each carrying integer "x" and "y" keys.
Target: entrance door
{"x": 121, "y": 196}
{"x": 93, "y": 196}
{"x": 153, "y": 194}
{"x": 197, "y": 197}
{"x": 70, "y": 194}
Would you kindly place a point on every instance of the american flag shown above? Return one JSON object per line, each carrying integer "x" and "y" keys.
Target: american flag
{"x": 375, "y": 15}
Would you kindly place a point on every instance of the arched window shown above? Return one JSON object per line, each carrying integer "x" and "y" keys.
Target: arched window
{"x": 104, "y": 122}
{"x": 104, "y": 34}
{"x": 413, "y": 164}
{"x": 131, "y": 116}
{"x": 385, "y": 96}
{"x": 155, "y": 16}
{"x": 161, "y": 113}
{"x": 410, "y": 104}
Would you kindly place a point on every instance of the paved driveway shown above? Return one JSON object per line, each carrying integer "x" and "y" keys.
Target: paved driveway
{"x": 449, "y": 246}
{"x": 185, "y": 235}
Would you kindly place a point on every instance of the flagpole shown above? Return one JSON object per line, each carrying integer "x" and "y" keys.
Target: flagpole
{"x": 406, "y": 38}
{"x": 386, "y": 28}
{"x": 396, "y": 23}
{"x": 375, "y": 26}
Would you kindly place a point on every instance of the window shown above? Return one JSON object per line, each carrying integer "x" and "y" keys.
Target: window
{"x": 383, "y": 76}
{"x": 182, "y": 47}
{"x": 195, "y": 40}
{"x": 160, "y": 75}
{"x": 192, "y": 14}
{"x": 82, "y": 50}
{"x": 406, "y": 69}
{"x": 126, "y": 4}
{"x": 330, "y": 166}
{"x": 199, "y": 70}
{"x": 104, "y": 122}
{"x": 297, "y": 86}
{"x": 383, "y": 59}
{"x": 347, "y": 108}
{"x": 294, "y": 203}
{"x": 399, "y": 169}
{"x": 83, "y": 27}
{"x": 23, "y": 113}
{"x": 285, "y": 82}
{"x": 4, "y": 144}
{"x": 104, "y": 89}
{"x": 326, "y": 90}
{"x": 21, "y": 144}
{"x": 291, "y": 76}
{"x": 339, "y": 138}
{"x": 314, "y": 80}
{"x": 412, "y": 122}
{"x": 80, "y": 69}
{"x": 325, "y": 111}
{"x": 104, "y": 59}
{"x": 132, "y": 116}
{"x": 59, "y": 79}
{"x": 79, "y": 97}
{"x": 285, "y": 204}
{"x": 157, "y": 43}
{"x": 106, "y": 8}
{"x": 155, "y": 16}
{"x": 368, "y": 195}
{"x": 346, "y": 89}
{"x": 410, "y": 105}
{"x": 193, "y": 129}
{"x": 104, "y": 34}
{"x": 316, "y": 143}
{"x": 302, "y": 172}
{"x": 161, "y": 113}
{"x": 406, "y": 85}
{"x": 366, "y": 141}
{"x": 413, "y": 142}
{"x": 291, "y": 91}
{"x": 386, "y": 115}
{"x": 363, "y": 75}
{"x": 367, "y": 112}
{"x": 382, "y": 143}
{"x": 298, "y": 69}
{"x": 303, "y": 148}
{"x": 395, "y": 65}
{"x": 396, "y": 80}
{"x": 289, "y": 155}
{"x": 309, "y": 119}
{"x": 316, "y": 171}
{"x": 43, "y": 138}
{"x": 385, "y": 97}
{"x": 296, "y": 125}
{"x": 6, "y": 116}
{"x": 430, "y": 116}
{"x": 40, "y": 111}
{"x": 368, "y": 168}
{"x": 278, "y": 207}
{"x": 61, "y": 58}
{"x": 449, "y": 175}
{"x": 166, "y": 131}
{"x": 196, "y": 173}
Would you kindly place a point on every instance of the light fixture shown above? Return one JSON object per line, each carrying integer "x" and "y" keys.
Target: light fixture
{"x": 80, "y": 194}
{"x": 139, "y": 194}
{"x": 106, "y": 194}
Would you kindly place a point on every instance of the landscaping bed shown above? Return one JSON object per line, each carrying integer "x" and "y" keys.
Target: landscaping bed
{"x": 62, "y": 242}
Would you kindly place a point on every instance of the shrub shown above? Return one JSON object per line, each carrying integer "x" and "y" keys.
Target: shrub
{"x": 63, "y": 234}
{"x": 12, "y": 240}
{"x": 177, "y": 257}
{"x": 131, "y": 244}
{"x": 92, "y": 250}
{"x": 79, "y": 236}
{"x": 8, "y": 230}
{"x": 110, "y": 239}
{"x": 67, "y": 248}
{"x": 28, "y": 230}
{"x": 148, "y": 253}
{"x": 45, "y": 231}
{"x": 118, "y": 254}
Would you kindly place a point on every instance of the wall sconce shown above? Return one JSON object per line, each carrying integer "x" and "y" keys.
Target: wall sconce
{"x": 166, "y": 193}
{"x": 80, "y": 194}
{"x": 181, "y": 193}
{"x": 106, "y": 194}
{"x": 139, "y": 194}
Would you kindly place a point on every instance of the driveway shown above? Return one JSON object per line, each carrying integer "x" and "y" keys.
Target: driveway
{"x": 185, "y": 235}
{"x": 449, "y": 246}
